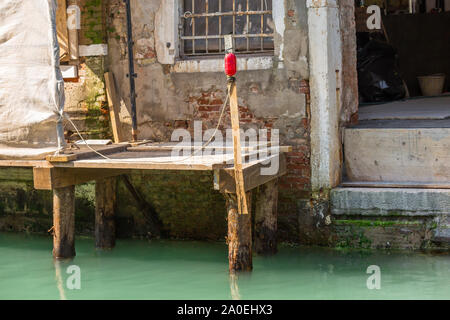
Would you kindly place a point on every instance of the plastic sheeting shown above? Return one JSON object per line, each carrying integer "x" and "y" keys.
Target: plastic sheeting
{"x": 378, "y": 76}
{"x": 31, "y": 84}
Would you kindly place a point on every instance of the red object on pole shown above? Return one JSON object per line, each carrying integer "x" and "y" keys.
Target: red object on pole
{"x": 230, "y": 64}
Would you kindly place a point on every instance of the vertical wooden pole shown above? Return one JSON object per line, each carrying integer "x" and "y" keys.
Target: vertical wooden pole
{"x": 234, "y": 287}
{"x": 73, "y": 31}
{"x": 114, "y": 108}
{"x": 266, "y": 218}
{"x": 238, "y": 174}
{"x": 239, "y": 235}
{"x": 105, "y": 198}
{"x": 64, "y": 222}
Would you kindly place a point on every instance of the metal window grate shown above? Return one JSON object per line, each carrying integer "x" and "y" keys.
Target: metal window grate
{"x": 205, "y": 22}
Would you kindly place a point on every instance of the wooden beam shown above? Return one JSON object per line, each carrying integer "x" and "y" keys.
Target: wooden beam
{"x": 61, "y": 157}
{"x": 61, "y": 31}
{"x": 52, "y": 177}
{"x": 85, "y": 153}
{"x": 104, "y": 150}
{"x": 239, "y": 237}
{"x": 73, "y": 35}
{"x": 105, "y": 200}
{"x": 171, "y": 146}
{"x": 22, "y": 163}
{"x": 114, "y": 107}
{"x": 265, "y": 234}
{"x": 238, "y": 175}
{"x": 252, "y": 175}
{"x": 64, "y": 222}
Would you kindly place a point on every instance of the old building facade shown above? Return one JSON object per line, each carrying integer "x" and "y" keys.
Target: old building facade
{"x": 299, "y": 78}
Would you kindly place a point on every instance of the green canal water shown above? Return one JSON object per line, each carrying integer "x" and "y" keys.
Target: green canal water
{"x": 196, "y": 270}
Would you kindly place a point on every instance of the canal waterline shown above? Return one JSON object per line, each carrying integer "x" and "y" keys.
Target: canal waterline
{"x": 139, "y": 269}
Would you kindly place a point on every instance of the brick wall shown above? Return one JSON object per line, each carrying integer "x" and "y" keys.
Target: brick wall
{"x": 295, "y": 186}
{"x": 186, "y": 202}
{"x": 93, "y": 22}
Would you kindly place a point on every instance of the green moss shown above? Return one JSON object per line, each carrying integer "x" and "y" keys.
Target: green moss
{"x": 97, "y": 116}
{"x": 85, "y": 201}
{"x": 93, "y": 24}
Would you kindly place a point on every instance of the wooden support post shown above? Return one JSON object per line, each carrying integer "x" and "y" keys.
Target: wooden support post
{"x": 239, "y": 235}
{"x": 266, "y": 218}
{"x": 64, "y": 222}
{"x": 114, "y": 107}
{"x": 239, "y": 176}
{"x": 73, "y": 31}
{"x": 105, "y": 198}
{"x": 61, "y": 31}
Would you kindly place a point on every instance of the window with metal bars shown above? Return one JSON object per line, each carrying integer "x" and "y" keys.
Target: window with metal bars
{"x": 205, "y": 22}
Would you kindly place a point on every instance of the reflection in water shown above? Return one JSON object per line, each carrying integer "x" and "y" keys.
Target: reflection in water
{"x": 196, "y": 270}
{"x": 234, "y": 287}
{"x": 59, "y": 279}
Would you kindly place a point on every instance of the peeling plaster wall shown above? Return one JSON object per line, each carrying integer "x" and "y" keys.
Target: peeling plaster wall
{"x": 164, "y": 93}
{"x": 273, "y": 91}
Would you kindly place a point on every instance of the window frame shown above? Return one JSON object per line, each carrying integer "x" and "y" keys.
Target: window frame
{"x": 184, "y": 15}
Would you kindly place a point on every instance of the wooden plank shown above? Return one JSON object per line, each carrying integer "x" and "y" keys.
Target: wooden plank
{"x": 86, "y": 153}
{"x": 104, "y": 150}
{"x": 171, "y": 146}
{"x": 251, "y": 174}
{"x": 23, "y": 163}
{"x": 139, "y": 142}
{"x": 61, "y": 157}
{"x": 134, "y": 165}
{"x": 114, "y": 107}
{"x": 94, "y": 142}
{"x": 238, "y": 175}
{"x": 52, "y": 178}
{"x": 74, "y": 50}
{"x": 160, "y": 160}
{"x": 61, "y": 30}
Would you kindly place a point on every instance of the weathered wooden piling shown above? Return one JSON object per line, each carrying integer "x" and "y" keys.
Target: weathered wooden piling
{"x": 239, "y": 235}
{"x": 105, "y": 200}
{"x": 64, "y": 222}
{"x": 266, "y": 202}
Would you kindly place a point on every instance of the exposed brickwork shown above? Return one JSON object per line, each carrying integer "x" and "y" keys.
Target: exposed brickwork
{"x": 93, "y": 26}
{"x": 186, "y": 202}
{"x": 86, "y": 101}
{"x": 296, "y": 184}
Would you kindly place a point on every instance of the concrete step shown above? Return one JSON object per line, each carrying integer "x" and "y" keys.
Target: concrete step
{"x": 420, "y": 214}
{"x": 386, "y": 154}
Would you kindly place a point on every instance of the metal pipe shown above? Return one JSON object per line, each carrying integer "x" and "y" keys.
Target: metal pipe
{"x": 131, "y": 74}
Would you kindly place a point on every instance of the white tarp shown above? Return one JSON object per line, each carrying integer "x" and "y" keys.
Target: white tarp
{"x": 31, "y": 84}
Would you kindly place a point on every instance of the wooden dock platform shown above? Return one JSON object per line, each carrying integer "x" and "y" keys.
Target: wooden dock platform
{"x": 103, "y": 164}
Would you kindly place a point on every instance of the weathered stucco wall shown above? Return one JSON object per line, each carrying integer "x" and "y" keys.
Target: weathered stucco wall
{"x": 276, "y": 97}
{"x": 274, "y": 93}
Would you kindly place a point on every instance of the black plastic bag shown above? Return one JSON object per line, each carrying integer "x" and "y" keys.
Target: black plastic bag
{"x": 378, "y": 76}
